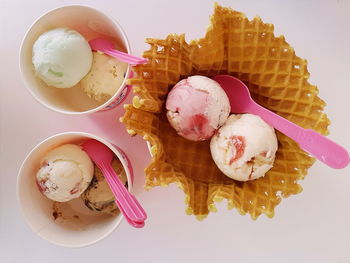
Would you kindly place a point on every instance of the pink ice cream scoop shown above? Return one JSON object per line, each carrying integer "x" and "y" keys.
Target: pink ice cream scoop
{"x": 197, "y": 107}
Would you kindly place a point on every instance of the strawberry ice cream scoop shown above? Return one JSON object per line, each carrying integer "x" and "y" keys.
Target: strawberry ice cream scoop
{"x": 197, "y": 107}
{"x": 244, "y": 147}
{"x": 65, "y": 173}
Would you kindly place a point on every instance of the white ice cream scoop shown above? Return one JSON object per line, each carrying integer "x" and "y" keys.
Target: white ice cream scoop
{"x": 65, "y": 173}
{"x": 244, "y": 147}
{"x": 61, "y": 57}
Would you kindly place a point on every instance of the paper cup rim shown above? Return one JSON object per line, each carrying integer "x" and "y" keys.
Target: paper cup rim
{"x": 119, "y": 218}
{"x": 47, "y": 105}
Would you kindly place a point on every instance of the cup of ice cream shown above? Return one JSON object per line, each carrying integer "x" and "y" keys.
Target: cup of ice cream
{"x": 76, "y": 209}
{"x": 62, "y": 72}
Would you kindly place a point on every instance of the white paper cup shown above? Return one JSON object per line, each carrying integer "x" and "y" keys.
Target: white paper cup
{"x": 77, "y": 226}
{"x": 89, "y": 22}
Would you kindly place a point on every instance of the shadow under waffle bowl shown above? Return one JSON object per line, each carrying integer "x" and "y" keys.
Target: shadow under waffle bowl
{"x": 277, "y": 79}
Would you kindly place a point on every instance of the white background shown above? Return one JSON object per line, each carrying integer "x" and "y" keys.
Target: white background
{"x": 313, "y": 226}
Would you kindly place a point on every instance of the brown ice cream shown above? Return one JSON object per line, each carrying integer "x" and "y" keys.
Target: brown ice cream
{"x": 98, "y": 196}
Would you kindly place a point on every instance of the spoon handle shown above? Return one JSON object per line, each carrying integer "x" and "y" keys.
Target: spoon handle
{"x": 130, "y": 221}
{"x": 126, "y": 202}
{"x": 316, "y": 144}
{"x": 127, "y": 58}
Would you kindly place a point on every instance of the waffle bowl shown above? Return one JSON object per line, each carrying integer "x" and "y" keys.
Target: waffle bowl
{"x": 277, "y": 80}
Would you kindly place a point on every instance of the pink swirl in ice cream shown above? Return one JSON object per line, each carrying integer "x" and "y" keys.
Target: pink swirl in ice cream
{"x": 197, "y": 107}
{"x": 237, "y": 148}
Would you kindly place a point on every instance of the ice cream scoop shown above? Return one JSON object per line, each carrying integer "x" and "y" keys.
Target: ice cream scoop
{"x": 98, "y": 196}
{"x": 105, "y": 77}
{"x": 126, "y": 202}
{"x": 61, "y": 57}
{"x": 197, "y": 107}
{"x": 316, "y": 144}
{"x": 65, "y": 173}
{"x": 244, "y": 147}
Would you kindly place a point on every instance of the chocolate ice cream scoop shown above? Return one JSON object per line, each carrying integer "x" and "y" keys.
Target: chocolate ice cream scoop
{"x": 98, "y": 196}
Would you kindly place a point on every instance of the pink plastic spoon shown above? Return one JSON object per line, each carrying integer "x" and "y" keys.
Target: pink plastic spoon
{"x": 127, "y": 203}
{"x": 316, "y": 144}
{"x": 103, "y": 45}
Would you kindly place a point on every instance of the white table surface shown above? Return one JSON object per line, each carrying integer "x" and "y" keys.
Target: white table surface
{"x": 310, "y": 227}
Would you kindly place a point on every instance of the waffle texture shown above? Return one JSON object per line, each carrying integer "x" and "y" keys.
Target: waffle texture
{"x": 277, "y": 79}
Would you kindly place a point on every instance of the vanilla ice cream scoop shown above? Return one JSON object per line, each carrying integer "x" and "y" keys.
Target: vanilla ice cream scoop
{"x": 61, "y": 57}
{"x": 197, "y": 107}
{"x": 105, "y": 77}
{"x": 65, "y": 173}
{"x": 244, "y": 147}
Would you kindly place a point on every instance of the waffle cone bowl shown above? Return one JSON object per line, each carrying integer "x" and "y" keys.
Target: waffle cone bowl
{"x": 277, "y": 79}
